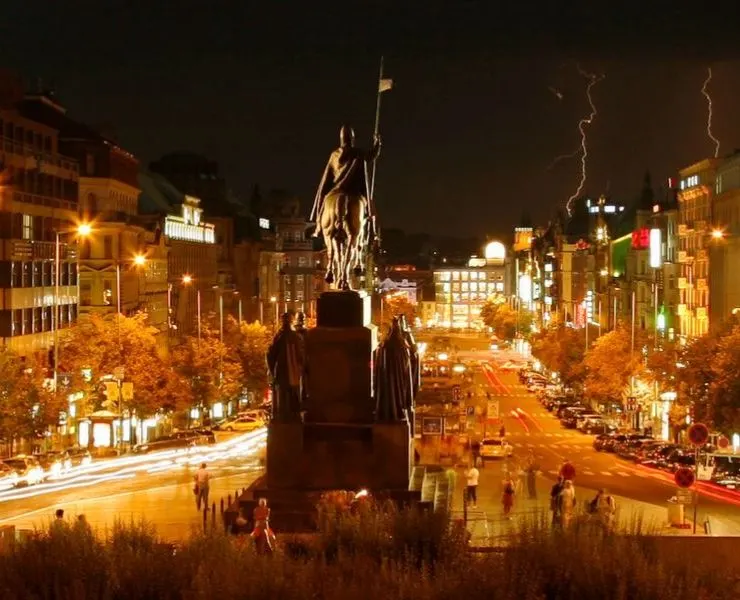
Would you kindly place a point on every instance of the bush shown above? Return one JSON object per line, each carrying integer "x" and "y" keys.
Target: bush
{"x": 370, "y": 553}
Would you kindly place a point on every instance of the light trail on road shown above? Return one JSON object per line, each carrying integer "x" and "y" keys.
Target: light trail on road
{"x": 154, "y": 462}
{"x": 531, "y": 419}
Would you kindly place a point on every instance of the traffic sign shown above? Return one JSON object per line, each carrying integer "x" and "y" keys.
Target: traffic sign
{"x": 493, "y": 409}
{"x": 698, "y": 434}
{"x": 684, "y": 496}
{"x": 568, "y": 472}
{"x": 723, "y": 443}
{"x": 684, "y": 477}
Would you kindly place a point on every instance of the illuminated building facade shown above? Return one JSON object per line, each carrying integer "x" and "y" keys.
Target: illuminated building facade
{"x": 39, "y": 190}
{"x": 695, "y": 213}
{"x": 724, "y": 250}
{"x": 461, "y": 292}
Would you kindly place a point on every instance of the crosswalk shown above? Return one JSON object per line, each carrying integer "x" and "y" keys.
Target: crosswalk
{"x": 614, "y": 473}
{"x": 558, "y": 446}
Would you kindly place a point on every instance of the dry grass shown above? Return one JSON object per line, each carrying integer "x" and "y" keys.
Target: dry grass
{"x": 376, "y": 552}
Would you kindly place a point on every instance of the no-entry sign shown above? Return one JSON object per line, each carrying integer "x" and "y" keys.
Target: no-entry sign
{"x": 684, "y": 477}
{"x": 698, "y": 434}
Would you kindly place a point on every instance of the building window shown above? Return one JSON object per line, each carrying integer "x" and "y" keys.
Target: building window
{"x": 286, "y": 281}
{"x": 299, "y": 280}
{"x": 26, "y": 274}
{"x": 27, "y": 230}
{"x": 286, "y": 261}
{"x": 107, "y": 246}
{"x": 85, "y": 293}
{"x": 16, "y": 327}
{"x": 299, "y": 295}
{"x": 107, "y": 293}
{"x": 302, "y": 261}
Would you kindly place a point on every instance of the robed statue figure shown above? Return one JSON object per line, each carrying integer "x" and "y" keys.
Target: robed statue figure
{"x": 341, "y": 211}
{"x": 286, "y": 360}
{"x": 394, "y": 388}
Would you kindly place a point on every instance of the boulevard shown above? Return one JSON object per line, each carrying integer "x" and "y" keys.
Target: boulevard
{"x": 532, "y": 430}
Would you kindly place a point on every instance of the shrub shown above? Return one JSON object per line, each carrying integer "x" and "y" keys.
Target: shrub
{"x": 369, "y": 553}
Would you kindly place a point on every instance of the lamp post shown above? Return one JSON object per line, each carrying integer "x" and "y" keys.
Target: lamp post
{"x": 187, "y": 280}
{"x": 83, "y": 230}
{"x": 273, "y": 299}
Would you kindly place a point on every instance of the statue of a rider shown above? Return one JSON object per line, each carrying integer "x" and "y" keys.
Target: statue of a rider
{"x": 347, "y": 172}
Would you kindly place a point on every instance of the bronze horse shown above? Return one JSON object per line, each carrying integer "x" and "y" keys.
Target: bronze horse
{"x": 340, "y": 209}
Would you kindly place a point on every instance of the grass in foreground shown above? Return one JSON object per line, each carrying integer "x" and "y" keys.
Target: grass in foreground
{"x": 376, "y": 553}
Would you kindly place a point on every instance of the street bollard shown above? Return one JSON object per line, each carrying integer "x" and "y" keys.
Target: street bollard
{"x": 205, "y": 519}
{"x": 228, "y": 502}
{"x": 222, "y": 506}
{"x": 213, "y": 516}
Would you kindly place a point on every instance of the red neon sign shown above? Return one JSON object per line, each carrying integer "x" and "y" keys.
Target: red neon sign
{"x": 641, "y": 239}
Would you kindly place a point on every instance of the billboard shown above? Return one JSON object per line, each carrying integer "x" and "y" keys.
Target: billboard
{"x": 641, "y": 239}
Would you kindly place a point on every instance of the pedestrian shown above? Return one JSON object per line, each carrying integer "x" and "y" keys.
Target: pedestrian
{"x": 475, "y": 451}
{"x": 555, "y": 506}
{"x": 604, "y": 508}
{"x": 532, "y": 468}
{"x": 507, "y": 498}
{"x": 472, "y": 475}
{"x": 59, "y": 514}
{"x": 202, "y": 481}
{"x": 502, "y": 432}
{"x": 567, "y": 503}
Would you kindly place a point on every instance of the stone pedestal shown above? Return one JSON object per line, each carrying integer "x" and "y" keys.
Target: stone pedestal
{"x": 327, "y": 456}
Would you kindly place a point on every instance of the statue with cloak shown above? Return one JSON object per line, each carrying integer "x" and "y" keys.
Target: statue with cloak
{"x": 286, "y": 361}
{"x": 394, "y": 388}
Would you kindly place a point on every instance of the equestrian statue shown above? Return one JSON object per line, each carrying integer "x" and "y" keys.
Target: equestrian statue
{"x": 343, "y": 210}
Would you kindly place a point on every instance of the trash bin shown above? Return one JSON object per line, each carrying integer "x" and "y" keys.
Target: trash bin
{"x": 675, "y": 514}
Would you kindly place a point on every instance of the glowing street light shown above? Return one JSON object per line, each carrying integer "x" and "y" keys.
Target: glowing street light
{"x": 717, "y": 234}
{"x": 139, "y": 260}
{"x": 84, "y": 229}
{"x": 186, "y": 279}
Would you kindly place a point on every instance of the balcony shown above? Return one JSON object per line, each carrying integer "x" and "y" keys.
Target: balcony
{"x": 682, "y": 230}
{"x": 27, "y": 198}
{"x": 682, "y": 283}
{"x": 682, "y": 256}
{"x": 701, "y": 284}
{"x": 38, "y": 157}
{"x": 681, "y": 310}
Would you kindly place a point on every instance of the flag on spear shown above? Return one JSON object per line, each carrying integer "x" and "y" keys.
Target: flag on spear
{"x": 385, "y": 85}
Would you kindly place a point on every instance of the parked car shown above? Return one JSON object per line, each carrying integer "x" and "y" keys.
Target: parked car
{"x": 680, "y": 457}
{"x": 240, "y": 424}
{"x": 601, "y": 440}
{"x": 630, "y": 449}
{"x": 495, "y": 448}
{"x": 168, "y": 442}
{"x": 27, "y": 468}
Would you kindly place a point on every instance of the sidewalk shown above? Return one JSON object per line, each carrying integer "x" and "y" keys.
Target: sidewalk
{"x": 170, "y": 508}
{"x": 488, "y": 525}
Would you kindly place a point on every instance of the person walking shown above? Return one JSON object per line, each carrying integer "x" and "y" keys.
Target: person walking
{"x": 567, "y": 503}
{"x": 604, "y": 508}
{"x": 507, "y": 498}
{"x": 472, "y": 475}
{"x": 532, "y": 468}
{"x": 555, "y": 505}
{"x": 202, "y": 484}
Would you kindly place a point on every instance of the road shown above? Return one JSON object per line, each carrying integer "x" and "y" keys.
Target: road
{"x": 159, "y": 491}
{"x": 531, "y": 428}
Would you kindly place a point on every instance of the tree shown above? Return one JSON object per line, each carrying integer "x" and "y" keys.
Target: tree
{"x": 28, "y": 406}
{"x": 505, "y": 321}
{"x": 723, "y": 410}
{"x": 99, "y": 344}
{"x": 211, "y": 367}
{"x": 250, "y": 342}
{"x": 610, "y": 365}
{"x": 395, "y": 306}
{"x": 561, "y": 349}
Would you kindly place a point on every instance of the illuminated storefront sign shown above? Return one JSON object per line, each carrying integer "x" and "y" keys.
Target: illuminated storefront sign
{"x": 188, "y": 226}
{"x": 655, "y": 248}
{"x": 641, "y": 239}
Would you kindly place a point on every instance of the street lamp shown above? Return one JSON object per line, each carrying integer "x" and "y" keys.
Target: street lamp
{"x": 717, "y": 234}
{"x": 273, "y": 299}
{"x": 187, "y": 280}
{"x": 82, "y": 230}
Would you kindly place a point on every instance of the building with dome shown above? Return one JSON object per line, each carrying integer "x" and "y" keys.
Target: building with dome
{"x": 462, "y": 290}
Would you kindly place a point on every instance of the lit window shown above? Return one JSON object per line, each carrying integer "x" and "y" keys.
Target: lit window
{"x": 455, "y": 276}
{"x": 302, "y": 261}
{"x": 27, "y": 232}
{"x": 299, "y": 295}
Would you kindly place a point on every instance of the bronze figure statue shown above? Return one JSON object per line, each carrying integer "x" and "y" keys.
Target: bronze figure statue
{"x": 394, "y": 388}
{"x": 286, "y": 361}
{"x": 341, "y": 210}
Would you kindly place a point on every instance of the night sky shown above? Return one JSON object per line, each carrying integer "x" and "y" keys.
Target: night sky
{"x": 469, "y": 128}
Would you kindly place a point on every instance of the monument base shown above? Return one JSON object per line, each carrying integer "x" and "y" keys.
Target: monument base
{"x": 329, "y": 456}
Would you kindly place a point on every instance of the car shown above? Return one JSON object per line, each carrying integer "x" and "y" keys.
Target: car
{"x": 53, "y": 463}
{"x": 597, "y": 427}
{"x": 257, "y": 413}
{"x": 77, "y": 456}
{"x": 182, "y": 439}
{"x": 8, "y": 476}
{"x": 27, "y": 468}
{"x": 495, "y": 448}
{"x": 631, "y": 449}
{"x": 246, "y": 423}
{"x": 601, "y": 440}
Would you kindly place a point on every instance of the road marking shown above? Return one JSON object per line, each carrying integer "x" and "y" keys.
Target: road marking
{"x": 623, "y": 474}
{"x": 530, "y": 445}
{"x": 589, "y": 473}
{"x": 554, "y": 472}
{"x": 607, "y": 473}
